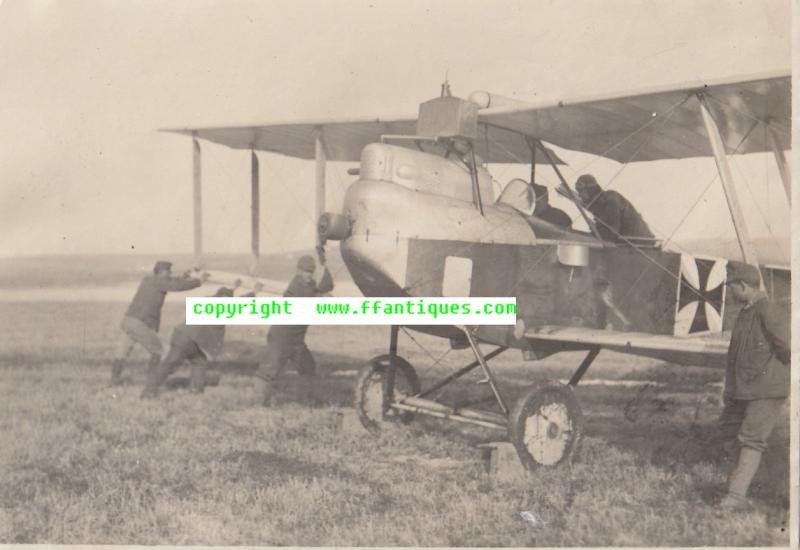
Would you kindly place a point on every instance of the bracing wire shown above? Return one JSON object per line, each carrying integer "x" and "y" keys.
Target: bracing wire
{"x": 427, "y": 352}
{"x": 759, "y": 210}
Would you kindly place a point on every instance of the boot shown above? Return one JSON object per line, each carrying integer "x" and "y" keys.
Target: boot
{"x": 740, "y": 478}
{"x": 156, "y": 374}
{"x": 265, "y": 392}
{"x": 116, "y": 372}
{"x": 306, "y": 392}
{"x": 198, "y": 381}
{"x": 152, "y": 363}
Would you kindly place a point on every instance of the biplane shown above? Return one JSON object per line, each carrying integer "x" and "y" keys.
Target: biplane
{"x": 421, "y": 220}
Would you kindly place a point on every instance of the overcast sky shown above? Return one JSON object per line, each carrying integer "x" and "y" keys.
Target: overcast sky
{"x": 85, "y": 84}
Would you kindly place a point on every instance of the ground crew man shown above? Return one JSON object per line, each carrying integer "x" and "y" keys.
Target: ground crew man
{"x": 616, "y": 217}
{"x": 286, "y": 343}
{"x": 756, "y": 379}
{"x": 141, "y": 322}
{"x": 197, "y": 344}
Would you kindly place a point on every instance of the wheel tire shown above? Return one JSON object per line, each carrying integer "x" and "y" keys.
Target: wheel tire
{"x": 545, "y": 425}
{"x": 370, "y": 391}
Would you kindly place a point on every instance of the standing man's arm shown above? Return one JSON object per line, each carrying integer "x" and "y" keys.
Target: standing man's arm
{"x": 323, "y": 278}
{"x": 776, "y": 329}
{"x": 173, "y": 284}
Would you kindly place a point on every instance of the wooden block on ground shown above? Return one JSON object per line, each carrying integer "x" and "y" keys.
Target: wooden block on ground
{"x": 501, "y": 460}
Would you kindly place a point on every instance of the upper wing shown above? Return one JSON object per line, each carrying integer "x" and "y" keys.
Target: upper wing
{"x": 660, "y": 124}
{"x": 685, "y": 350}
{"x": 657, "y": 124}
{"x": 344, "y": 139}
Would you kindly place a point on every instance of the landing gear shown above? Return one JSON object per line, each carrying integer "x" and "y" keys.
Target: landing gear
{"x": 383, "y": 379}
{"x": 545, "y": 425}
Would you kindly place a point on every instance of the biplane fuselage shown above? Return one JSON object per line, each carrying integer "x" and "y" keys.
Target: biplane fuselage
{"x": 415, "y": 231}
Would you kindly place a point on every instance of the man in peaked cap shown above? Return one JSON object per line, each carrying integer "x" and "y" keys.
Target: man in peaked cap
{"x": 141, "y": 322}
{"x": 756, "y": 379}
{"x": 286, "y": 343}
{"x": 197, "y": 344}
{"x": 616, "y": 217}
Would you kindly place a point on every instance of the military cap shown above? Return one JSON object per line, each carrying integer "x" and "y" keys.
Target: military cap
{"x": 224, "y": 292}
{"x": 162, "y": 265}
{"x": 587, "y": 181}
{"x": 740, "y": 271}
{"x": 306, "y": 263}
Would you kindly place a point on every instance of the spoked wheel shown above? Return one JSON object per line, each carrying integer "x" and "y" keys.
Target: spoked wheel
{"x": 545, "y": 425}
{"x": 371, "y": 404}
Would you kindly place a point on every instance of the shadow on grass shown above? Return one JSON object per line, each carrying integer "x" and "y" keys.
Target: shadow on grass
{"x": 263, "y": 467}
{"x": 680, "y": 446}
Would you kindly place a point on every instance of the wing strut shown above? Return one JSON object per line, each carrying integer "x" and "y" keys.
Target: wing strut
{"x": 473, "y": 172}
{"x": 255, "y": 209}
{"x": 718, "y": 148}
{"x": 321, "y": 157}
{"x": 780, "y": 159}
{"x": 532, "y": 147}
{"x": 197, "y": 184}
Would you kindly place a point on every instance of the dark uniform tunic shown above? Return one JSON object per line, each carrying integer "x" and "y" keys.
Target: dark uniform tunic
{"x": 757, "y": 375}
{"x": 286, "y": 343}
{"x": 616, "y": 217}
{"x": 149, "y": 298}
{"x": 553, "y": 215}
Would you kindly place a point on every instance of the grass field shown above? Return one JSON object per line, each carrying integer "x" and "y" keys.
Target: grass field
{"x": 83, "y": 463}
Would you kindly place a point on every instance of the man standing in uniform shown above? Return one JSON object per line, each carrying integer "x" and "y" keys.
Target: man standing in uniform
{"x": 616, "y": 217}
{"x": 197, "y": 344}
{"x": 286, "y": 343}
{"x": 141, "y": 321}
{"x": 756, "y": 379}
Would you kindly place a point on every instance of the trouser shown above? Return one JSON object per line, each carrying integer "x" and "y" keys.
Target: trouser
{"x": 135, "y": 331}
{"x": 182, "y": 348}
{"x": 750, "y": 422}
{"x": 286, "y": 345}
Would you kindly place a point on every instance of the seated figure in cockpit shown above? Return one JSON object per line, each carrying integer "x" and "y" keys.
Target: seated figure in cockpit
{"x": 533, "y": 200}
{"x": 548, "y": 213}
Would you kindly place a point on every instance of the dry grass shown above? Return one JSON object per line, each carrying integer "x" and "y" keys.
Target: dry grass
{"x": 82, "y": 463}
